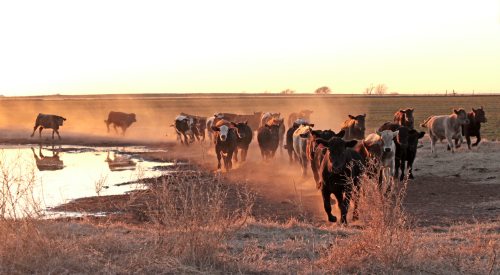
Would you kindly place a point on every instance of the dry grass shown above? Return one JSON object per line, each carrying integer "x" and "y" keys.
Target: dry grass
{"x": 197, "y": 223}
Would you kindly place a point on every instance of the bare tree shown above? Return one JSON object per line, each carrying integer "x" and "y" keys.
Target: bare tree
{"x": 323, "y": 91}
{"x": 287, "y": 92}
{"x": 381, "y": 89}
{"x": 369, "y": 89}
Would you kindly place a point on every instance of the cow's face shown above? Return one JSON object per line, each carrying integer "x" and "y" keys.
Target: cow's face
{"x": 387, "y": 137}
{"x": 133, "y": 118}
{"x": 479, "y": 114}
{"x": 241, "y": 128}
{"x": 338, "y": 157}
{"x": 359, "y": 121}
{"x": 275, "y": 130}
{"x": 307, "y": 129}
{"x": 413, "y": 137}
{"x": 461, "y": 116}
{"x": 326, "y": 134}
{"x": 223, "y": 131}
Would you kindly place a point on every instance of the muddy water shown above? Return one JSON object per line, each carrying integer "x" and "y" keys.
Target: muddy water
{"x": 49, "y": 176}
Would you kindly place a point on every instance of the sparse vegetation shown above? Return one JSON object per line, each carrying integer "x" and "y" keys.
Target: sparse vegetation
{"x": 323, "y": 90}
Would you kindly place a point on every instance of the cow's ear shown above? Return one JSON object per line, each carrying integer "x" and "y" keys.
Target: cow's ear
{"x": 421, "y": 135}
{"x": 215, "y": 128}
{"x": 340, "y": 134}
{"x": 64, "y": 118}
{"x": 411, "y": 109}
{"x": 402, "y": 111}
{"x": 246, "y": 122}
{"x": 378, "y": 133}
{"x": 311, "y": 125}
{"x": 315, "y": 133}
{"x": 474, "y": 110}
{"x": 351, "y": 117}
{"x": 304, "y": 135}
{"x": 233, "y": 123}
{"x": 351, "y": 143}
{"x": 395, "y": 133}
{"x": 455, "y": 111}
{"x": 267, "y": 125}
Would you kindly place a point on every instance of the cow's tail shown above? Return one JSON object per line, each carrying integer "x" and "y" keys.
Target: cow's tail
{"x": 424, "y": 124}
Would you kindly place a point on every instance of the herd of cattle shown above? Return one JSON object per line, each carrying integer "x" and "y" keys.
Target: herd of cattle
{"x": 337, "y": 160}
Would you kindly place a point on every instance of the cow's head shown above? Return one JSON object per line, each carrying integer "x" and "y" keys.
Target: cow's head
{"x": 407, "y": 117}
{"x": 242, "y": 126}
{"x": 359, "y": 121}
{"x": 60, "y": 120}
{"x": 274, "y": 129}
{"x": 306, "y": 130}
{"x": 461, "y": 116}
{"x": 479, "y": 115}
{"x": 413, "y": 137}
{"x": 338, "y": 155}
{"x": 387, "y": 137}
{"x": 223, "y": 131}
{"x": 132, "y": 117}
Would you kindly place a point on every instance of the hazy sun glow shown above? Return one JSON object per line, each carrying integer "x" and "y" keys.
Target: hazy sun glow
{"x": 89, "y": 47}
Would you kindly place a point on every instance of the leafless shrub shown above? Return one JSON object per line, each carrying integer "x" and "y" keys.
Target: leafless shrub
{"x": 323, "y": 90}
{"x": 287, "y": 92}
{"x": 194, "y": 212}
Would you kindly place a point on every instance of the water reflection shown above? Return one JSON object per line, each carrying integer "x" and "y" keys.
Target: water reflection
{"x": 120, "y": 162}
{"x": 85, "y": 169}
{"x": 45, "y": 163}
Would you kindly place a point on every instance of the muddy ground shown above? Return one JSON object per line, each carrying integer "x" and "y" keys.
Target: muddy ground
{"x": 449, "y": 189}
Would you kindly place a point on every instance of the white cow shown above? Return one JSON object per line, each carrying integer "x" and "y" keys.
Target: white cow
{"x": 300, "y": 137}
{"x": 388, "y": 158}
{"x": 447, "y": 127}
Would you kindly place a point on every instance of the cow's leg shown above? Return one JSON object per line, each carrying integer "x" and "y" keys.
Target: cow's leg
{"x": 107, "y": 125}
{"x": 124, "y": 129}
{"x": 433, "y": 144}
{"x": 229, "y": 157}
{"x": 401, "y": 164}
{"x": 235, "y": 155}
{"x": 116, "y": 130}
{"x": 397, "y": 164}
{"x": 34, "y": 130}
{"x": 40, "y": 131}
{"x": 315, "y": 173}
{"x": 186, "y": 141}
{"x": 450, "y": 143}
{"x": 477, "y": 140}
{"x": 325, "y": 193}
{"x": 218, "y": 158}
{"x": 342, "y": 203}
{"x": 355, "y": 212}
{"x": 57, "y": 132}
{"x": 244, "y": 152}
{"x": 410, "y": 168}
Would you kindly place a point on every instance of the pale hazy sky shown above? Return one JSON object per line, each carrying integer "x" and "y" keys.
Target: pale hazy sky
{"x": 82, "y": 47}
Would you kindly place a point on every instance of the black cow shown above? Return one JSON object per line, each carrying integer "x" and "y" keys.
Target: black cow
{"x": 339, "y": 165}
{"x": 50, "y": 122}
{"x": 245, "y": 136}
{"x": 226, "y": 142}
{"x": 253, "y": 120}
{"x": 119, "y": 119}
{"x": 268, "y": 139}
{"x": 354, "y": 127}
{"x": 316, "y": 152}
{"x": 473, "y": 129}
{"x": 411, "y": 153}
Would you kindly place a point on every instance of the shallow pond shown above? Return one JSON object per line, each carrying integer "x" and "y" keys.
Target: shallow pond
{"x": 48, "y": 176}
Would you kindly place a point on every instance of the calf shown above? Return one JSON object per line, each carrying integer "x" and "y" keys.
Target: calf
{"x": 401, "y": 141}
{"x": 289, "y": 138}
{"x": 316, "y": 152}
{"x": 388, "y": 158}
{"x": 119, "y": 119}
{"x": 184, "y": 127}
{"x": 268, "y": 139}
{"x": 50, "y": 122}
{"x": 245, "y": 135}
{"x": 200, "y": 123}
{"x": 405, "y": 118}
{"x": 225, "y": 145}
{"x": 340, "y": 164}
{"x": 473, "y": 129}
{"x": 354, "y": 127}
{"x": 411, "y": 153}
{"x": 446, "y": 127}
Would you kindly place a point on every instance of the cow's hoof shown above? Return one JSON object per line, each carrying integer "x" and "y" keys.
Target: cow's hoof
{"x": 411, "y": 176}
{"x": 402, "y": 178}
{"x": 332, "y": 218}
{"x": 355, "y": 217}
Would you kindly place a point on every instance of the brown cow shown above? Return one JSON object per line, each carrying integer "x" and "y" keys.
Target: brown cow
{"x": 405, "y": 118}
{"x": 119, "y": 119}
{"x": 446, "y": 127}
{"x": 50, "y": 122}
{"x": 305, "y": 114}
{"x": 473, "y": 129}
{"x": 354, "y": 127}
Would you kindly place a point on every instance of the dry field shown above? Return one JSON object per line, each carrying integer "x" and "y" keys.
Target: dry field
{"x": 259, "y": 217}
